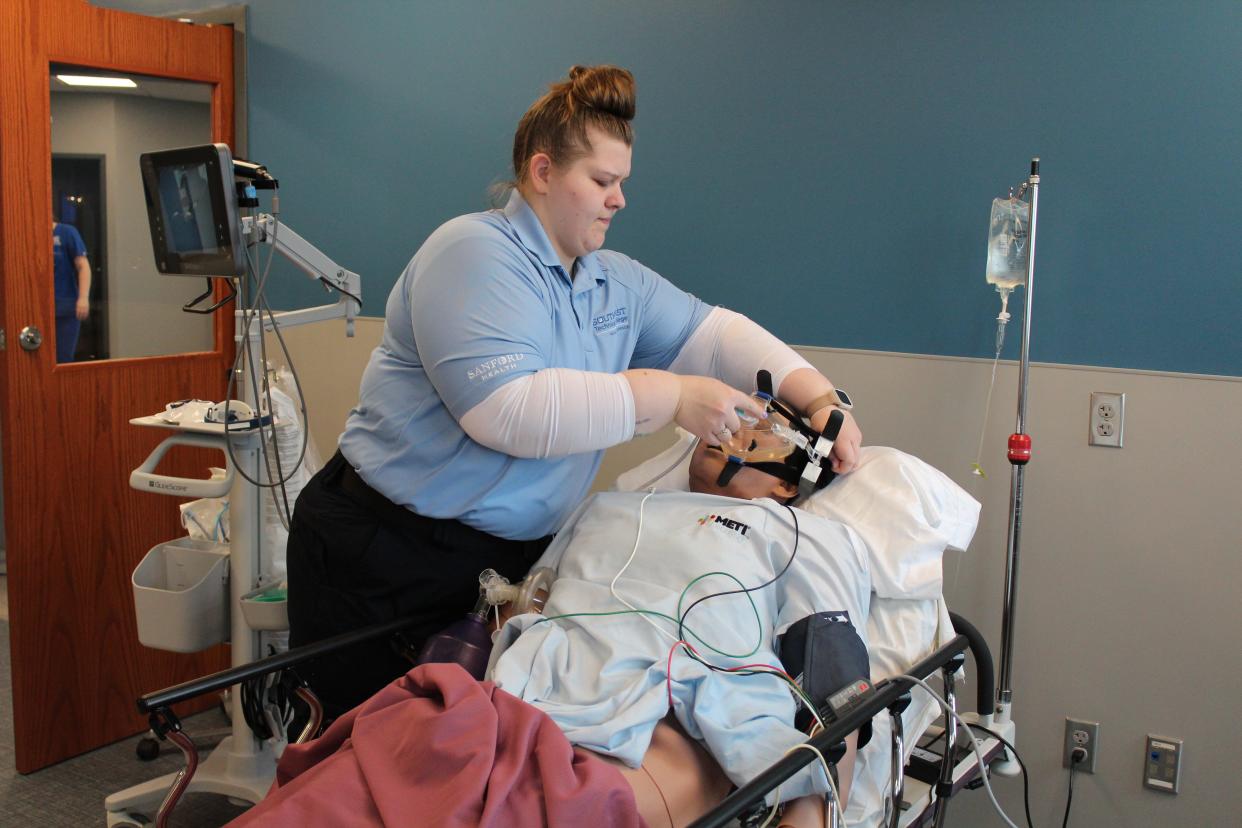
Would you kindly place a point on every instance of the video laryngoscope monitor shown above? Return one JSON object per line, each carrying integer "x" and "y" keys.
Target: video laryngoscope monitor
{"x": 192, "y": 209}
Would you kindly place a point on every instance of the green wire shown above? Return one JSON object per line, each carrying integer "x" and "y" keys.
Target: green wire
{"x": 759, "y": 624}
{"x": 753, "y": 608}
{"x": 657, "y": 614}
{"x": 680, "y": 598}
{"x": 671, "y": 620}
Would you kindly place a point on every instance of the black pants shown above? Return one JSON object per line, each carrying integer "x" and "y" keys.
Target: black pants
{"x": 356, "y": 559}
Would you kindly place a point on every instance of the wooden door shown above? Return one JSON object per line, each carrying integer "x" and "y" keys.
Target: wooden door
{"x": 75, "y": 529}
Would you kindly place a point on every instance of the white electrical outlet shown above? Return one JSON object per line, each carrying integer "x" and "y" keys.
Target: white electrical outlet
{"x": 1108, "y": 419}
{"x": 1083, "y": 735}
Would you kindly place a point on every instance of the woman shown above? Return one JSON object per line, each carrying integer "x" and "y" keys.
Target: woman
{"x": 515, "y": 350}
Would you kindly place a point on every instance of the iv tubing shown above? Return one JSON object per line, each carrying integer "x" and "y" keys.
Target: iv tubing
{"x": 1001, "y": 321}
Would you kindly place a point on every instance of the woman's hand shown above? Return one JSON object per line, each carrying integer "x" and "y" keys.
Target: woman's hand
{"x": 707, "y": 408}
{"x": 844, "y": 454}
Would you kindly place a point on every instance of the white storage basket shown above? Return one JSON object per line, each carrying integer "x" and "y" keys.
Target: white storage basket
{"x": 181, "y": 595}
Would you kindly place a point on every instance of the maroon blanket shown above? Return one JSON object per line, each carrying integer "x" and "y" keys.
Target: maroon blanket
{"x": 437, "y": 748}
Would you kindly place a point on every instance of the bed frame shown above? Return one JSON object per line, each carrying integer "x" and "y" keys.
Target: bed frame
{"x": 922, "y": 802}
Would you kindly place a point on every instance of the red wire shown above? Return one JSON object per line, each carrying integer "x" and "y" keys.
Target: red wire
{"x": 668, "y": 672}
{"x": 764, "y": 668}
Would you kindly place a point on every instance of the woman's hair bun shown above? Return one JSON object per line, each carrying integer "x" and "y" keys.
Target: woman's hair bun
{"x": 592, "y": 97}
{"x": 606, "y": 89}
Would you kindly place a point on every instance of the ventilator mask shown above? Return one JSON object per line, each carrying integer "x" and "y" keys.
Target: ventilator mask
{"x": 781, "y": 444}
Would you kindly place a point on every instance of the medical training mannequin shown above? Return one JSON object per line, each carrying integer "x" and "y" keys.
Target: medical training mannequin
{"x": 678, "y": 780}
{"x": 515, "y": 350}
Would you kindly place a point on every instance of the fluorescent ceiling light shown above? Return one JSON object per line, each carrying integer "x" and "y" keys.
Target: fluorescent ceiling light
{"x": 95, "y": 80}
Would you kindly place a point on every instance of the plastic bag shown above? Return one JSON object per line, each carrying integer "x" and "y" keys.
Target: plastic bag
{"x": 288, "y": 446}
{"x": 1007, "y": 237}
{"x": 207, "y": 518}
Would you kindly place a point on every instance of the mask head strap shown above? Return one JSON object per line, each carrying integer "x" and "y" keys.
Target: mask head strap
{"x": 732, "y": 466}
{"x": 806, "y": 467}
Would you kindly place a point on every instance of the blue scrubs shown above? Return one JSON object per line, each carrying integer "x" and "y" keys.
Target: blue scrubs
{"x": 67, "y": 246}
{"x": 483, "y": 302}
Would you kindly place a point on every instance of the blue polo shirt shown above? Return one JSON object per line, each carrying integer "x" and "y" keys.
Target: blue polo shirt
{"x": 483, "y": 302}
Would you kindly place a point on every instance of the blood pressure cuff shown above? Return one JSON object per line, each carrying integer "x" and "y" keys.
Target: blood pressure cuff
{"x": 824, "y": 653}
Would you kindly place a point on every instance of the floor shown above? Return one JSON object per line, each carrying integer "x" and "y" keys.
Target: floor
{"x": 71, "y": 793}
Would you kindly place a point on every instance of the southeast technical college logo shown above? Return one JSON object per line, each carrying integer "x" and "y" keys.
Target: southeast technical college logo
{"x": 728, "y": 523}
{"x": 611, "y": 321}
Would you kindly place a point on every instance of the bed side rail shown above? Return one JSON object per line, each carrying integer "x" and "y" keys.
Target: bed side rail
{"x": 886, "y": 692}
{"x": 985, "y": 702}
{"x": 235, "y": 675}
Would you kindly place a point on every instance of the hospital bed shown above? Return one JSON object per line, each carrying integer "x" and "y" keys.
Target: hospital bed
{"x": 909, "y": 514}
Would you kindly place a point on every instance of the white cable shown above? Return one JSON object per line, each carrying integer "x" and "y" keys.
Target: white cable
{"x": 836, "y": 796}
{"x": 776, "y": 806}
{"x": 612, "y": 587}
{"x": 674, "y": 465}
{"x": 819, "y": 720}
{"x": 957, "y": 720}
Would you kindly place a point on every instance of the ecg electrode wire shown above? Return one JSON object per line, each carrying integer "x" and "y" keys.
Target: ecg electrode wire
{"x": 832, "y": 783}
{"x": 750, "y": 669}
{"x": 836, "y": 795}
{"x": 742, "y": 670}
{"x": 659, "y": 614}
{"x": 612, "y": 587}
{"x": 769, "y": 582}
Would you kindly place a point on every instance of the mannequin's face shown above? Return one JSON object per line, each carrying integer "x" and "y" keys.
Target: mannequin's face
{"x": 747, "y": 484}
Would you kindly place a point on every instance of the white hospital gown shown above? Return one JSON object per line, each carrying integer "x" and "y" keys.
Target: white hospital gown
{"x": 604, "y": 679}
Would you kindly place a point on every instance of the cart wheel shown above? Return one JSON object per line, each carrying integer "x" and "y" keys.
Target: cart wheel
{"x": 148, "y": 749}
{"x": 127, "y": 820}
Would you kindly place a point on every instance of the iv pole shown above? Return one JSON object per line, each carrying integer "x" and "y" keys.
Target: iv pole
{"x": 1019, "y": 454}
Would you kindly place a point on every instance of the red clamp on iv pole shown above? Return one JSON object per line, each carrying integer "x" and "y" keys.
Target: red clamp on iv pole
{"x": 1019, "y": 449}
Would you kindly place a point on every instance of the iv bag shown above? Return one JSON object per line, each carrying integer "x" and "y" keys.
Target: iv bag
{"x": 1007, "y": 238}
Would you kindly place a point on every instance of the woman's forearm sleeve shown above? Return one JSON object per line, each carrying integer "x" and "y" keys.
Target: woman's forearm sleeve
{"x": 732, "y": 348}
{"x": 554, "y": 412}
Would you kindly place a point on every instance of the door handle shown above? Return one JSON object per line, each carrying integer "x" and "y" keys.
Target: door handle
{"x": 31, "y": 338}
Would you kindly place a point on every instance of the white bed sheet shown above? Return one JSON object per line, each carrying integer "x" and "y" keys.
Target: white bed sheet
{"x": 907, "y": 513}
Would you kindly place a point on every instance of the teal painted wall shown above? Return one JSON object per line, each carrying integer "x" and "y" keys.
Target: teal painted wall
{"x": 825, "y": 167}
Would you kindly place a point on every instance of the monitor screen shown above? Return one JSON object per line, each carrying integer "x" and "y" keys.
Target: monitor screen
{"x": 192, "y": 208}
